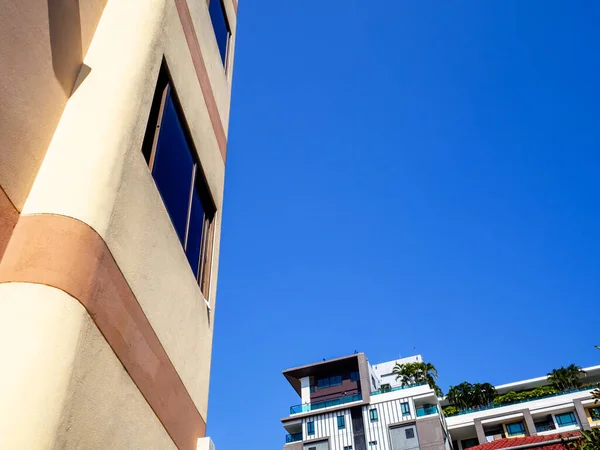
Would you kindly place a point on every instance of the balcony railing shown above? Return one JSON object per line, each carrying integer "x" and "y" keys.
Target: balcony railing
{"x": 492, "y": 406}
{"x": 427, "y": 410}
{"x": 326, "y": 404}
{"x": 399, "y": 388}
{"x": 544, "y": 427}
{"x": 293, "y": 438}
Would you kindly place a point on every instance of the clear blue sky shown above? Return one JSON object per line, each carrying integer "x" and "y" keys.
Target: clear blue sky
{"x": 401, "y": 175}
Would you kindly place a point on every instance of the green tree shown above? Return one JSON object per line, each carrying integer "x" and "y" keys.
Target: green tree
{"x": 566, "y": 378}
{"x": 461, "y": 395}
{"x": 590, "y": 440}
{"x": 483, "y": 394}
{"x": 468, "y": 396}
{"x": 418, "y": 372}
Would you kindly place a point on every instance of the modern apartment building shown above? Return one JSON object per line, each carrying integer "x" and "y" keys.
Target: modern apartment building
{"x": 349, "y": 404}
{"x": 343, "y": 407}
{"x": 545, "y": 415}
{"x": 114, "y": 121}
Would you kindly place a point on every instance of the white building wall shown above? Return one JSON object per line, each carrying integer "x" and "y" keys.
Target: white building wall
{"x": 389, "y": 413}
{"x": 326, "y": 427}
{"x": 383, "y": 371}
{"x": 305, "y": 389}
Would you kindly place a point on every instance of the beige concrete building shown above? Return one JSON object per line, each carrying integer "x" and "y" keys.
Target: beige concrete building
{"x": 113, "y": 123}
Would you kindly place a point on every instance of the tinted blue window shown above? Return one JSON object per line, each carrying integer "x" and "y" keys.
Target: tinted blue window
{"x": 373, "y": 415}
{"x": 335, "y": 381}
{"x": 310, "y": 428}
{"x": 194, "y": 241}
{"x": 219, "y": 21}
{"x": 173, "y": 168}
{"x": 341, "y": 422}
{"x": 564, "y": 420}
{"x": 405, "y": 409}
{"x": 354, "y": 376}
{"x": 515, "y": 428}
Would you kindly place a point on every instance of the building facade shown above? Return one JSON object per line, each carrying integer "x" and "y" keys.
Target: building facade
{"x": 564, "y": 412}
{"x": 114, "y": 121}
{"x": 349, "y": 404}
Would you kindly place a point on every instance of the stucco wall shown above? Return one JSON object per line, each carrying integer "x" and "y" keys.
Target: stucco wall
{"x": 42, "y": 46}
{"x": 65, "y": 389}
{"x": 94, "y": 171}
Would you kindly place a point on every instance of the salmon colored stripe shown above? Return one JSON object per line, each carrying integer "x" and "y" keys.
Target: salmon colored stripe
{"x": 192, "y": 40}
{"x": 69, "y": 255}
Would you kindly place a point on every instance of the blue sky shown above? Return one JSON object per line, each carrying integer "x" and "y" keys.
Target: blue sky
{"x": 412, "y": 175}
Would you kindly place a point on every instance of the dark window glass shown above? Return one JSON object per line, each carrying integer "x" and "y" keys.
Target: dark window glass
{"x": 354, "y": 376}
{"x": 410, "y": 433}
{"x": 405, "y": 409}
{"x": 468, "y": 443}
{"x": 310, "y": 428}
{"x": 341, "y": 420}
{"x": 514, "y": 429}
{"x": 194, "y": 242}
{"x": 179, "y": 179}
{"x": 335, "y": 381}
{"x": 595, "y": 414}
{"x": 373, "y": 415}
{"x": 564, "y": 420}
{"x": 323, "y": 383}
{"x": 220, "y": 25}
{"x": 173, "y": 168}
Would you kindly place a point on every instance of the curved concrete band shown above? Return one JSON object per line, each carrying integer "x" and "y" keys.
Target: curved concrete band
{"x": 67, "y": 254}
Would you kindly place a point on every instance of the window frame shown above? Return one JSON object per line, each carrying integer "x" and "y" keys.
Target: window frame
{"x": 571, "y": 414}
{"x": 341, "y": 423}
{"x": 522, "y": 431}
{"x": 402, "y": 409}
{"x": 164, "y": 88}
{"x": 229, "y": 33}
{"x": 310, "y": 428}
{"x": 373, "y": 415}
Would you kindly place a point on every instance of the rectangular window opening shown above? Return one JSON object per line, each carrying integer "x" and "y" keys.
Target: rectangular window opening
{"x": 218, "y": 17}
{"x": 341, "y": 422}
{"x": 310, "y": 428}
{"x": 405, "y": 408}
{"x": 373, "y": 415}
{"x": 169, "y": 151}
{"x": 515, "y": 429}
{"x": 565, "y": 420}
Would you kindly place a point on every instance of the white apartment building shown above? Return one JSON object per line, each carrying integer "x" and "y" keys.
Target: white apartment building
{"x": 343, "y": 408}
{"x": 349, "y": 404}
{"x": 561, "y": 413}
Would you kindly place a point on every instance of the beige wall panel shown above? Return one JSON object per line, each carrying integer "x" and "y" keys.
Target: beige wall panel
{"x": 219, "y": 80}
{"x": 65, "y": 388}
{"x": 42, "y": 45}
{"x": 147, "y": 250}
{"x": 94, "y": 171}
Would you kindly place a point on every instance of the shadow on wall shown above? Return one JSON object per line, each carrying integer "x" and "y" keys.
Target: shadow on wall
{"x": 66, "y": 44}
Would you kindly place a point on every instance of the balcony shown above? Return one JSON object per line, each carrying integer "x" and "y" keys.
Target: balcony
{"x": 296, "y": 437}
{"x": 427, "y": 410}
{"x": 399, "y": 388}
{"x": 540, "y": 428}
{"x": 297, "y": 409}
{"x": 492, "y": 406}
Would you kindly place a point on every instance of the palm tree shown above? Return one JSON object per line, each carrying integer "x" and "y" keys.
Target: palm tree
{"x": 483, "y": 394}
{"x": 566, "y": 378}
{"x": 418, "y": 372}
{"x": 467, "y": 395}
{"x": 461, "y": 395}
